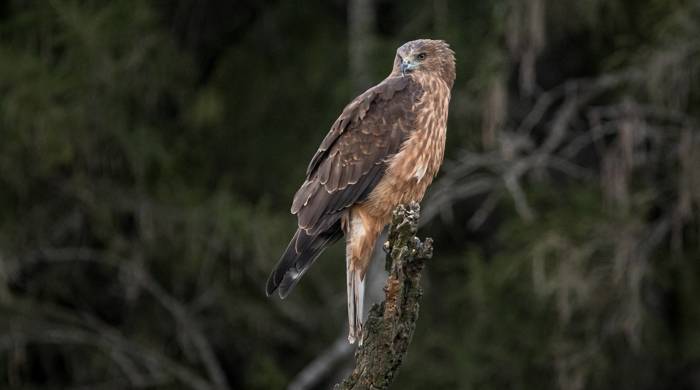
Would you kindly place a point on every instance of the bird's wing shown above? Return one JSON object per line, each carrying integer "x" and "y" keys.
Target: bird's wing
{"x": 352, "y": 158}
{"x": 347, "y": 166}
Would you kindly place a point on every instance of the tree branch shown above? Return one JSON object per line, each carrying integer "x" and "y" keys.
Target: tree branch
{"x": 389, "y": 328}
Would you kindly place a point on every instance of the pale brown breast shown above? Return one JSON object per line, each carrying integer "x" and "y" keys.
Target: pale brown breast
{"x": 411, "y": 171}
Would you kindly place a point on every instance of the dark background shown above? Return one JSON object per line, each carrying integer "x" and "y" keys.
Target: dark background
{"x": 149, "y": 152}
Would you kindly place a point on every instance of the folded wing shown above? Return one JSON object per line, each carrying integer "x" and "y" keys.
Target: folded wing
{"x": 347, "y": 166}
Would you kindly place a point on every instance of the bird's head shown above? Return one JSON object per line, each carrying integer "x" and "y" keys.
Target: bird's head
{"x": 425, "y": 55}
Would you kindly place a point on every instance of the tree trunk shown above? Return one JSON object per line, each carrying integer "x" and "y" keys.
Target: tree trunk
{"x": 389, "y": 328}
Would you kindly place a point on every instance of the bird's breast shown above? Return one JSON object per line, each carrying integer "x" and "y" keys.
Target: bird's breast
{"x": 410, "y": 172}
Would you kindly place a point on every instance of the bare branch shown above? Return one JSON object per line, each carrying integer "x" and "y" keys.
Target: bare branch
{"x": 188, "y": 325}
{"x": 319, "y": 368}
{"x": 192, "y": 328}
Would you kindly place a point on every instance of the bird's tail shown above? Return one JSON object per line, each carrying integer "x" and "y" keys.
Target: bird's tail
{"x": 356, "y": 299}
{"x": 300, "y": 254}
{"x": 360, "y": 239}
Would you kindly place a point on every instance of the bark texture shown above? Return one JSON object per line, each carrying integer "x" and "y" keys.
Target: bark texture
{"x": 389, "y": 327}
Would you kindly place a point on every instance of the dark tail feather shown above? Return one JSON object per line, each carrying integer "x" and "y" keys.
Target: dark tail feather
{"x": 300, "y": 254}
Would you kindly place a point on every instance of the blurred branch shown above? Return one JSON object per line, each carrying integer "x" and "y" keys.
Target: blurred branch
{"x": 319, "y": 367}
{"x": 189, "y": 328}
{"x": 390, "y": 325}
{"x": 29, "y": 327}
{"x": 522, "y": 152}
{"x": 440, "y": 17}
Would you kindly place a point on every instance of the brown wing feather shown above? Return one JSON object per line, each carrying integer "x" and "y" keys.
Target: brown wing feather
{"x": 347, "y": 166}
{"x": 352, "y": 157}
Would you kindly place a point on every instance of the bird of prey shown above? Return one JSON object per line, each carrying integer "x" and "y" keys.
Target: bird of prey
{"x": 383, "y": 150}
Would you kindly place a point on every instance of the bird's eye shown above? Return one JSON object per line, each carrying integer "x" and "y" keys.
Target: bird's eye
{"x": 421, "y": 56}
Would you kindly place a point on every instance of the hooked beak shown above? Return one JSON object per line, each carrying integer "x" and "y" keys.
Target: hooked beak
{"x": 406, "y": 66}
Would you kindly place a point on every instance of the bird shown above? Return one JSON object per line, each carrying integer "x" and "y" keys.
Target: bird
{"x": 384, "y": 150}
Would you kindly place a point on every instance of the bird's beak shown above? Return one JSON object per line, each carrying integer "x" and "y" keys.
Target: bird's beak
{"x": 407, "y": 66}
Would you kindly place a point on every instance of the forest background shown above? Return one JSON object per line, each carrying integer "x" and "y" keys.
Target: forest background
{"x": 149, "y": 151}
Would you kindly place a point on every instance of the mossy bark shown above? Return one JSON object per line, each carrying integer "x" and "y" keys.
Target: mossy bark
{"x": 389, "y": 327}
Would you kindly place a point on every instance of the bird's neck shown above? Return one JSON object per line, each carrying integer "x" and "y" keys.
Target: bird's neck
{"x": 431, "y": 81}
